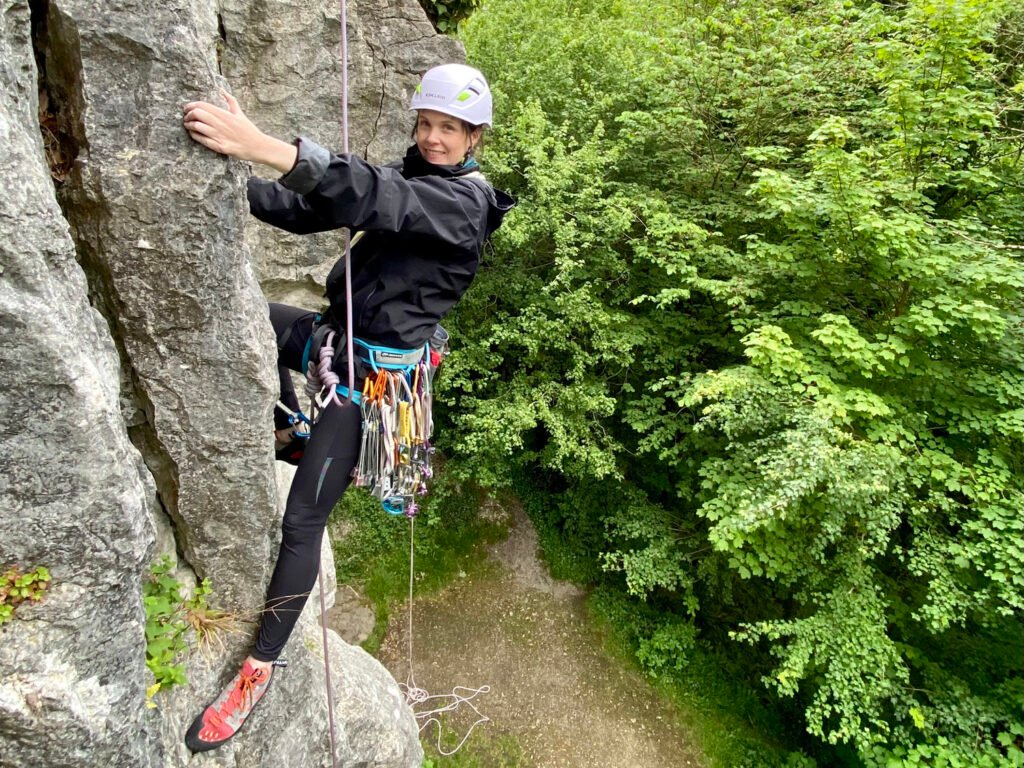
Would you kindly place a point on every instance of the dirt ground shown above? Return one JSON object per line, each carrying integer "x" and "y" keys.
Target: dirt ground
{"x": 552, "y": 688}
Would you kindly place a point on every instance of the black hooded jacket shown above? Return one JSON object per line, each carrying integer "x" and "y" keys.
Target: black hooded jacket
{"x": 425, "y": 226}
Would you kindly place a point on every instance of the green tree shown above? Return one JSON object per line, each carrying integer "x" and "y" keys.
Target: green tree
{"x": 757, "y": 327}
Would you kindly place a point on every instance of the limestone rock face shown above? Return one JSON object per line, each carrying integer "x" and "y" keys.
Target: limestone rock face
{"x": 283, "y": 63}
{"x": 74, "y": 496}
{"x": 137, "y": 365}
{"x": 158, "y": 220}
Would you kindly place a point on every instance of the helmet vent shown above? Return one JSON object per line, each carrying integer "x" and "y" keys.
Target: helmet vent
{"x": 457, "y": 90}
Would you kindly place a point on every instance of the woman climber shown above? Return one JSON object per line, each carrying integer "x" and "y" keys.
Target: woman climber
{"x": 424, "y": 221}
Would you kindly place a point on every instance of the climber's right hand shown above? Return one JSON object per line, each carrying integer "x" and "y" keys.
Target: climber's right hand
{"x": 229, "y": 132}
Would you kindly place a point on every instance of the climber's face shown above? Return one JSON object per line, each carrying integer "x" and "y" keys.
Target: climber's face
{"x": 442, "y": 139}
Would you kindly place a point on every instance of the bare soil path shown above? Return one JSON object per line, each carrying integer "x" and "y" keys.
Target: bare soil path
{"x": 562, "y": 698}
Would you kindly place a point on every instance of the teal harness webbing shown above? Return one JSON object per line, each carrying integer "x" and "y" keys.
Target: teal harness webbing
{"x": 377, "y": 357}
{"x": 389, "y": 358}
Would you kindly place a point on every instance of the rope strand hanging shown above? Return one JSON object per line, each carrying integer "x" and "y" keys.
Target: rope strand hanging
{"x": 343, "y": 56}
{"x": 327, "y": 392}
{"x": 414, "y": 695}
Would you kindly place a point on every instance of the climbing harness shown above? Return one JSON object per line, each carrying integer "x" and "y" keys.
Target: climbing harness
{"x": 396, "y": 406}
{"x": 395, "y": 451}
{"x": 323, "y": 385}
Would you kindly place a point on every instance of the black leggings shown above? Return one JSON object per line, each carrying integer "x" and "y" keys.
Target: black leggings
{"x": 320, "y": 480}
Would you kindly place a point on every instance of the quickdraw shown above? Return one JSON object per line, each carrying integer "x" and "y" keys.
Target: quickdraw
{"x": 396, "y": 405}
{"x": 395, "y": 452}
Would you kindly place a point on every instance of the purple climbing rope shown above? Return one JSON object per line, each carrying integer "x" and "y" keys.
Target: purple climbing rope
{"x": 346, "y": 235}
{"x": 343, "y": 12}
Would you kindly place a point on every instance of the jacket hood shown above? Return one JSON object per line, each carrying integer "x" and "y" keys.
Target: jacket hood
{"x": 413, "y": 165}
{"x": 501, "y": 203}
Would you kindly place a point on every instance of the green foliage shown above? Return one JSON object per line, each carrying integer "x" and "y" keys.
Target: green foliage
{"x": 169, "y": 616}
{"x": 571, "y": 543}
{"x": 755, "y": 332}
{"x": 165, "y": 626}
{"x": 669, "y": 647}
{"x": 448, "y": 15}
{"x": 1005, "y": 751}
{"x": 735, "y": 727}
{"x": 371, "y": 547}
{"x": 363, "y": 534}
{"x": 16, "y": 587}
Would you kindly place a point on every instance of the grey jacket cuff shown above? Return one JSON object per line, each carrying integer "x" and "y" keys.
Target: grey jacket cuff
{"x": 310, "y": 167}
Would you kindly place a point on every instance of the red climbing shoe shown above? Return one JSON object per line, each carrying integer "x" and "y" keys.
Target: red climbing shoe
{"x": 223, "y": 719}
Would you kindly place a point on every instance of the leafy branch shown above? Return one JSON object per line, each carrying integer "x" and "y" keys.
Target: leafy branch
{"x": 447, "y": 15}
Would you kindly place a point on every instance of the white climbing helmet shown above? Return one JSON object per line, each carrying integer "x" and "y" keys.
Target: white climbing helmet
{"x": 456, "y": 90}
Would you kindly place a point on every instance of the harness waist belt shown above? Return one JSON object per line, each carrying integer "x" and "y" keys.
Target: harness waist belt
{"x": 388, "y": 357}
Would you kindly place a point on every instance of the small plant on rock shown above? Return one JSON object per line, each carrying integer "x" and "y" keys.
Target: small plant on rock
{"x": 165, "y": 627}
{"x": 208, "y": 623}
{"x": 169, "y": 616}
{"x": 17, "y": 587}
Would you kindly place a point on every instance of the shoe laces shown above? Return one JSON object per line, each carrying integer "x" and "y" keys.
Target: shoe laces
{"x": 241, "y": 696}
